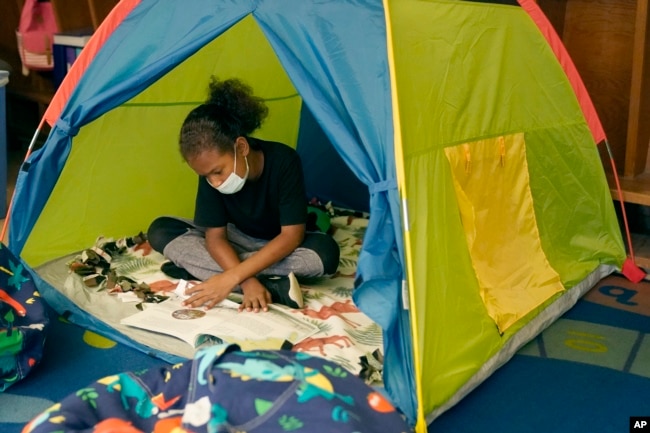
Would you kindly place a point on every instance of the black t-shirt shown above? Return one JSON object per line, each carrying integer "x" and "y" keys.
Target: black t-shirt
{"x": 262, "y": 206}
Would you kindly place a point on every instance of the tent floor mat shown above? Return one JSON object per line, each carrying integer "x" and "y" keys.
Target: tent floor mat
{"x": 346, "y": 335}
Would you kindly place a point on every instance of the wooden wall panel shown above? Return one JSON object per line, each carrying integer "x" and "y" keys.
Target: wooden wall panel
{"x": 599, "y": 35}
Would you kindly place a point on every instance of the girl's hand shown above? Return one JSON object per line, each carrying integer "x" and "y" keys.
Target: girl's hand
{"x": 256, "y": 297}
{"x": 210, "y": 292}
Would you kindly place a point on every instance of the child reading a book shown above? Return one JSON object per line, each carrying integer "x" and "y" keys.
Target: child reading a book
{"x": 248, "y": 230}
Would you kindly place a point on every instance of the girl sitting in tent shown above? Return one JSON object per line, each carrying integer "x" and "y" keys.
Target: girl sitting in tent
{"x": 251, "y": 210}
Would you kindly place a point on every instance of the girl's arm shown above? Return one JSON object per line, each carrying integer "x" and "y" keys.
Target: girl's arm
{"x": 236, "y": 272}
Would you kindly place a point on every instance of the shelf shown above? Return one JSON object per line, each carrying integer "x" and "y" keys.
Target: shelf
{"x": 634, "y": 189}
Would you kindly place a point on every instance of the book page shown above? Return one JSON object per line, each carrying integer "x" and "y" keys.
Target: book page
{"x": 161, "y": 318}
{"x": 263, "y": 330}
{"x": 258, "y": 330}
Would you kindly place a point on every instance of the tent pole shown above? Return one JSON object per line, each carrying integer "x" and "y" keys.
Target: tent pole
{"x": 5, "y": 225}
{"x": 420, "y": 424}
{"x": 630, "y": 268}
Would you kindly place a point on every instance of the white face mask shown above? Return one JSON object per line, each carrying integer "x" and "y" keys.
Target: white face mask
{"x": 233, "y": 183}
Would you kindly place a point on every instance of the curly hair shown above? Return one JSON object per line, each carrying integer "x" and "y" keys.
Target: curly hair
{"x": 230, "y": 111}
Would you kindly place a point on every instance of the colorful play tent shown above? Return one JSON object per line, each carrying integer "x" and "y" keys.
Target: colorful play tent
{"x": 464, "y": 122}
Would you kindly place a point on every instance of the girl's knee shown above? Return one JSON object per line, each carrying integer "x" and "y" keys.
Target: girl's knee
{"x": 326, "y": 248}
{"x": 163, "y": 230}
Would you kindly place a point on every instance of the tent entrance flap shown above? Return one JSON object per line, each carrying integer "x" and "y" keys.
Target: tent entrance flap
{"x": 491, "y": 180}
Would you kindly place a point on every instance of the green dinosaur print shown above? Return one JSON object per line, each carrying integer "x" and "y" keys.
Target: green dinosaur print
{"x": 11, "y": 342}
{"x": 128, "y": 387}
{"x": 8, "y": 321}
{"x": 307, "y": 391}
{"x": 219, "y": 417}
{"x": 290, "y": 423}
{"x": 260, "y": 370}
{"x": 313, "y": 382}
{"x": 336, "y": 372}
{"x": 17, "y": 279}
{"x": 89, "y": 395}
{"x": 340, "y": 414}
{"x": 262, "y": 406}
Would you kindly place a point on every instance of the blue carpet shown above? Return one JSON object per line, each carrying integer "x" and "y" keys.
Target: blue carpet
{"x": 72, "y": 359}
{"x": 588, "y": 372}
{"x": 532, "y": 395}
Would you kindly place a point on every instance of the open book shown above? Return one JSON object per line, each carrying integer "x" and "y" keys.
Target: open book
{"x": 270, "y": 329}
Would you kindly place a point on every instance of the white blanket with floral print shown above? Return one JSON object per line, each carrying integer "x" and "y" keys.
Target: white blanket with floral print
{"x": 347, "y": 336}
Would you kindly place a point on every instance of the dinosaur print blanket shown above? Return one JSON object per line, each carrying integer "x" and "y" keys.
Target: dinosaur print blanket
{"x": 346, "y": 335}
{"x": 277, "y": 391}
{"x": 23, "y": 320}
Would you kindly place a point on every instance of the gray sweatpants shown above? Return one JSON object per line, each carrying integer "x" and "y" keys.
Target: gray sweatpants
{"x": 188, "y": 251}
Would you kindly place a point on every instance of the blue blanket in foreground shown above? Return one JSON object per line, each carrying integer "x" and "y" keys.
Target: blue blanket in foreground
{"x": 226, "y": 389}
